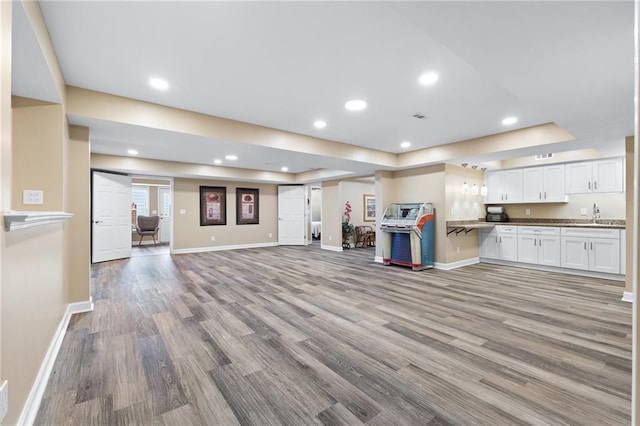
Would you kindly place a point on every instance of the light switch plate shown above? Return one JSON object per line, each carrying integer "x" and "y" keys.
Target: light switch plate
{"x": 527, "y": 212}
{"x": 183, "y": 211}
{"x": 32, "y": 196}
{"x": 583, "y": 211}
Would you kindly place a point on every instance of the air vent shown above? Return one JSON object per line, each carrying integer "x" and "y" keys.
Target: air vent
{"x": 544, "y": 156}
{"x": 420, "y": 116}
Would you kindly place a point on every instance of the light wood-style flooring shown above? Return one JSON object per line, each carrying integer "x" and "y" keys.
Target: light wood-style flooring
{"x": 303, "y": 336}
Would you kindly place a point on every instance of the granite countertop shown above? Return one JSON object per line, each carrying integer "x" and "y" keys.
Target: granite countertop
{"x": 566, "y": 223}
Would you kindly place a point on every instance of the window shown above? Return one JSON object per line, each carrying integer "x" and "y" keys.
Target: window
{"x": 140, "y": 197}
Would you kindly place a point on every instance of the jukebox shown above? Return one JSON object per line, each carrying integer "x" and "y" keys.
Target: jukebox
{"x": 407, "y": 235}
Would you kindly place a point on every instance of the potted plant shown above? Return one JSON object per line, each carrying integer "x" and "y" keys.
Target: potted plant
{"x": 347, "y": 226}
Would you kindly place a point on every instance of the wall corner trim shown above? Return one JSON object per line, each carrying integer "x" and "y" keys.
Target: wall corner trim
{"x": 455, "y": 265}
{"x": 32, "y": 404}
{"x": 627, "y": 296}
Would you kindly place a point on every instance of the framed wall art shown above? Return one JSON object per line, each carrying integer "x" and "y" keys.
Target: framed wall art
{"x": 213, "y": 205}
{"x": 247, "y": 206}
{"x": 369, "y": 207}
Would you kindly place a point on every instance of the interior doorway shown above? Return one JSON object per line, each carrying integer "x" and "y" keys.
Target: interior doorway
{"x": 152, "y": 196}
{"x": 291, "y": 215}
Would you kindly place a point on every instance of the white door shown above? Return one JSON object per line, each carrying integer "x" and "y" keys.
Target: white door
{"x": 578, "y": 178}
{"x": 549, "y": 250}
{"x": 553, "y": 185}
{"x": 291, "y": 212}
{"x": 607, "y": 175}
{"x": 508, "y": 247}
{"x": 532, "y": 184}
{"x": 111, "y": 217}
{"x": 512, "y": 181}
{"x": 164, "y": 211}
{"x": 495, "y": 189}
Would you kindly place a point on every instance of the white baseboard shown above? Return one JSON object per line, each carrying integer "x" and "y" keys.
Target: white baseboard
{"x": 455, "y": 265}
{"x": 378, "y": 259}
{"x": 332, "y": 248}
{"x": 591, "y": 274}
{"x": 222, "y": 248}
{"x": 627, "y": 296}
{"x": 32, "y": 404}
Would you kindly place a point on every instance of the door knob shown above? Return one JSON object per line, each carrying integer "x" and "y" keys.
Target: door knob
{"x": 97, "y": 221}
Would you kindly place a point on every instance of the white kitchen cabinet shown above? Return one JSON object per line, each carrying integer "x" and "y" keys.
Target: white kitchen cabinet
{"x": 596, "y": 250}
{"x": 504, "y": 186}
{"x": 501, "y": 242}
{"x": 539, "y": 245}
{"x": 594, "y": 176}
{"x": 543, "y": 184}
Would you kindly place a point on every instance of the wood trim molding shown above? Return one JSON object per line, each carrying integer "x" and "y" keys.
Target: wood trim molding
{"x": 14, "y": 220}
{"x": 222, "y": 248}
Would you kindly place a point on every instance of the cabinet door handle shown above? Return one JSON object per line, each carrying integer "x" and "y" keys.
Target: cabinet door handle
{"x": 540, "y": 196}
{"x": 540, "y": 243}
{"x": 585, "y": 245}
{"x": 589, "y": 185}
{"x": 500, "y": 240}
{"x": 506, "y": 196}
{"x": 534, "y": 242}
{"x": 591, "y": 246}
{"x": 496, "y": 239}
{"x": 595, "y": 184}
{"x": 545, "y": 195}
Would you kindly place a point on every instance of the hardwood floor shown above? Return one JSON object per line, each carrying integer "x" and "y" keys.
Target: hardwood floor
{"x": 300, "y": 336}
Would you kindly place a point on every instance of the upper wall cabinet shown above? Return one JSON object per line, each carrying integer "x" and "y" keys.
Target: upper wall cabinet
{"x": 504, "y": 186}
{"x": 543, "y": 184}
{"x": 595, "y": 176}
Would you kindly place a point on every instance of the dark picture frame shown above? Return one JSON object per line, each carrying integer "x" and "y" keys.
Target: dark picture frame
{"x": 213, "y": 205}
{"x": 247, "y": 206}
{"x": 369, "y": 207}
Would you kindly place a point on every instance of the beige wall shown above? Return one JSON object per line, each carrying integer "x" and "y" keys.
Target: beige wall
{"x": 630, "y": 202}
{"x": 78, "y": 231}
{"x": 331, "y": 215}
{"x": 425, "y": 184}
{"x": 188, "y": 234}
{"x": 5, "y": 153}
{"x": 612, "y": 206}
{"x": 353, "y": 191}
{"x": 38, "y": 155}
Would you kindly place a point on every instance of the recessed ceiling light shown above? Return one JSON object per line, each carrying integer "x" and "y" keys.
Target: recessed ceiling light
{"x": 231, "y": 157}
{"x": 132, "y": 152}
{"x": 428, "y": 78}
{"x": 509, "y": 121}
{"x": 405, "y": 144}
{"x": 355, "y": 105}
{"x": 217, "y": 161}
{"x": 158, "y": 83}
{"x": 285, "y": 169}
{"x": 319, "y": 124}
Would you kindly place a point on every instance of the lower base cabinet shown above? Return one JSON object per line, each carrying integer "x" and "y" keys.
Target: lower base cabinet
{"x": 539, "y": 245}
{"x": 596, "y": 250}
{"x": 501, "y": 242}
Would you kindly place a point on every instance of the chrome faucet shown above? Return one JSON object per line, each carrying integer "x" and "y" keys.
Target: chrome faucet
{"x": 596, "y": 212}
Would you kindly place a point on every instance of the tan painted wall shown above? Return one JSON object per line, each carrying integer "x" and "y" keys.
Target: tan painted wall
{"x": 187, "y": 232}
{"x": 384, "y": 187}
{"x": 558, "y": 157}
{"x": 425, "y": 184}
{"x": 630, "y": 202}
{"x": 612, "y": 206}
{"x": 353, "y": 192}
{"x": 331, "y": 214}
{"x": 5, "y": 153}
{"x": 77, "y": 229}
{"x": 461, "y": 206}
{"x": 34, "y": 297}
{"x": 38, "y": 155}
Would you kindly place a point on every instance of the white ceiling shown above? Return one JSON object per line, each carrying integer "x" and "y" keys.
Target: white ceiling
{"x": 285, "y": 64}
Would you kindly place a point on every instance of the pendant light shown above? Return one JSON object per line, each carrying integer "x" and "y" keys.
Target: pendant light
{"x": 474, "y": 187}
{"x": 483, "y": 189}
{"x": 465, "y": 187}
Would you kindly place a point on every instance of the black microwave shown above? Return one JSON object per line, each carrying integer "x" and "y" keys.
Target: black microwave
{"x": 497, "y": 217}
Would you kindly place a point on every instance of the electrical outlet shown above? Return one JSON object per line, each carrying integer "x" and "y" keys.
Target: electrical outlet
{"x": 270, "y": 235}
{"x": 213, "y": 238}
{"x": 183, "y": 211}
{"x": 527, "y": 212}
{"x": 457, "y": 249}
{"x": 329, "y": 237}
{"x": 32, "y": 196}
{"x": 4, "y": 399}
{"x": 583, "y": 211}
